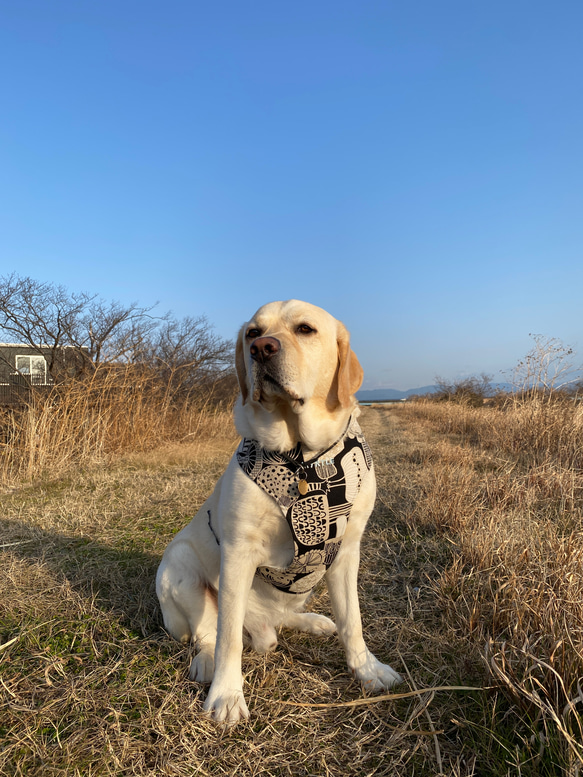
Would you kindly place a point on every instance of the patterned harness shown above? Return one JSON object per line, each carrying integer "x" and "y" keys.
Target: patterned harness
{"x": 316, "y": 498}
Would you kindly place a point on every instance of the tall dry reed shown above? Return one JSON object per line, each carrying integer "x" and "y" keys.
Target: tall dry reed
{"x": 114, "y": 411}
{"x": 536, "y": 430}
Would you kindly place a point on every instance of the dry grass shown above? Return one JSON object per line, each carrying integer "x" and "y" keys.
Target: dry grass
{"x": 470, "y": 575}
{"x": 506, "y": 486}
{"x": 113, "y": 411}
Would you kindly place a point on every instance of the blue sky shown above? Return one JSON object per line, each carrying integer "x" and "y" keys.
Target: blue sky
{"x": 415, "y": 168}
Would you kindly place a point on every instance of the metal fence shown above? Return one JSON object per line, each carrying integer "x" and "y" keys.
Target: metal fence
{"x": 20, "y": 392}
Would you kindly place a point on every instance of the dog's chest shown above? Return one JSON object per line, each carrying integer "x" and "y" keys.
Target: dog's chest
{"x": 316, "y": 498}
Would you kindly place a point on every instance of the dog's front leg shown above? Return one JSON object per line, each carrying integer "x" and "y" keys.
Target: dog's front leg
{"x": 342, "y": 579}
{"x": 225, "y": 701}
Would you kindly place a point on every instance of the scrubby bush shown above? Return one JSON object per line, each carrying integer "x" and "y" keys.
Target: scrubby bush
{"x": 468, "y": 391}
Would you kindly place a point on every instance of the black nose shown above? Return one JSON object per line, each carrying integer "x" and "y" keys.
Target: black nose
{"x": 264, "y": 348}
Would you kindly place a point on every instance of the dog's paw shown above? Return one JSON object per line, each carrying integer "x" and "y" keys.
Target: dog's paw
{"x": 311, "y": 623}
{"x": 226, "y": 707}
{"x": 202, "y": 667}
{"x": 318, "y": 624}
{"x": 375, "y": 676}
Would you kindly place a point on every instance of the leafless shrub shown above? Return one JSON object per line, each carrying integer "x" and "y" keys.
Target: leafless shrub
{"x": 547, "y": 371}
{"x": 467, "y": 391}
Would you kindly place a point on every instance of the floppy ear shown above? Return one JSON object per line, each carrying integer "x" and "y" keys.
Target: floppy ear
{"x": 349, "y": 370}
{"x": 240, "y": 366}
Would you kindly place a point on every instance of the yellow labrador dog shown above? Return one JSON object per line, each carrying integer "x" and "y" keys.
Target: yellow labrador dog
{"x": 290, "y": 509}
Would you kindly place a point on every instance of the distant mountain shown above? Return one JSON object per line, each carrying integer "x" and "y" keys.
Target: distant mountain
{"x": 421, "y": 391}
{"x": 383, "y": 395}
{"x": 387, "y": 394}
{"x": 379, "y": 395}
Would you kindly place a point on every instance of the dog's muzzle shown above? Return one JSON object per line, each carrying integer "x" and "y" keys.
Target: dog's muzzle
{"x": 267, "y": 368}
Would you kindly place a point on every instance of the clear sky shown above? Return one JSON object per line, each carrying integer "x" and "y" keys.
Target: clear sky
{"x": 414, "y": 167}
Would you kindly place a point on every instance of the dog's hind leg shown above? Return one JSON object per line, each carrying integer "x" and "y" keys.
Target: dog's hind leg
{"x": 189, "y": 607}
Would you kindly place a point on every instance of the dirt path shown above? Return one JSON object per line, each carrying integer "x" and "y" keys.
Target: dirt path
{"x": 403, "y": 567}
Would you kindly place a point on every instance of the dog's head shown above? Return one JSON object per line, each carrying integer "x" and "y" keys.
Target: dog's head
{"x": 295, "y": 353}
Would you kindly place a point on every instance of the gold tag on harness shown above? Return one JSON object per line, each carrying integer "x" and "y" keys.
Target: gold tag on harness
{"x": 303, "y": 487}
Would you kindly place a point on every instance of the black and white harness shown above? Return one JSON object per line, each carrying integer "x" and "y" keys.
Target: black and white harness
{"x": 315, "y": 496}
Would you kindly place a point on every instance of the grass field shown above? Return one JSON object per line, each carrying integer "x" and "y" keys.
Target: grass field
{"x": 470, "y": 576}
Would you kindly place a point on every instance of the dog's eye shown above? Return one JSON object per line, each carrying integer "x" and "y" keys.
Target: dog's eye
{"x": 253, "y": 333}
{"x": 305, "y": 329}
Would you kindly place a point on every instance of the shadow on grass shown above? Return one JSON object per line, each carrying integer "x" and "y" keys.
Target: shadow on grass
{"x": 120, "y": 579}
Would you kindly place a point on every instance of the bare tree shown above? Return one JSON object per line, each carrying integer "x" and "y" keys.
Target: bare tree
{"x": 112, "y": 332}
{"x": 185, "y": 351}
{"x": 39, "y": 314}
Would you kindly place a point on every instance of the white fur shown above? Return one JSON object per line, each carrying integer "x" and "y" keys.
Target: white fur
{"x": 208, "y": 592}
